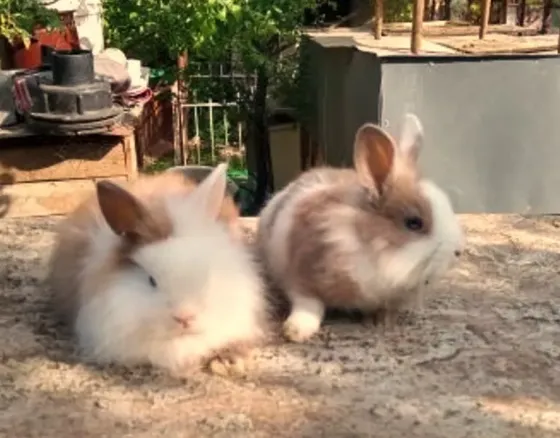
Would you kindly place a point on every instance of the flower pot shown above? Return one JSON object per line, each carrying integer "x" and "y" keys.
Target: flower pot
{"x": 64, "y": 38}
{"x": 27, "y": 58}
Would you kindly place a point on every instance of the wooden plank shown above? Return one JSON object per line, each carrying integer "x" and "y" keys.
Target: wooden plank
{"x": 496, "y": 43}
{"x": 131, "y": 157}
{"x": 55, "y": 158}
{"x": 16, "y": 131}
{"x": 22, "y": 130}
{"x": 44, "y": 198}
{"x": 447, "y": 28}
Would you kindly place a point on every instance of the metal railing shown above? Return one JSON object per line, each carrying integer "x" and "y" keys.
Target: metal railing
{"x": 211, "y": 129}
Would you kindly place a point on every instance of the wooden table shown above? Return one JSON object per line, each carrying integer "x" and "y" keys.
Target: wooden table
{"x": 49, "y": 175}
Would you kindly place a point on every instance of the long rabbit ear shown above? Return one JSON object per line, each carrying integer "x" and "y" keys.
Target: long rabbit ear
{"x": 411, "y": 138}
{"x": 123, "y": 212}
{"x": 210, "y": 193}
{"x": 374, "y": 156}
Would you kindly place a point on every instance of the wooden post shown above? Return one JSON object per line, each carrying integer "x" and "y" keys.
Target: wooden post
{"x": 485, "y": 7}
{"x": 131, "y": 157}
{"x": 547, "y": 10}
{"x": 378, "y": 22}
{"x": 182, "y": 63}
{"x": 447, "y": 10}
{"x": 176, "y": 104}
{"x": 417, "y": 20}
{"x": 432, "y": 6}
{"x": 523, "y": 7}
{"x": 504, "y": 12}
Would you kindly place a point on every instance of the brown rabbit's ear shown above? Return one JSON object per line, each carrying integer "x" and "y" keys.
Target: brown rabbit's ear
{"x": 123, "y": 212}
{"x": 411, "y": 137}
{"x": 374, "y": 155}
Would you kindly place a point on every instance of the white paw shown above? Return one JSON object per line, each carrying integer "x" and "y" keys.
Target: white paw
{"x": 300, "y": 325}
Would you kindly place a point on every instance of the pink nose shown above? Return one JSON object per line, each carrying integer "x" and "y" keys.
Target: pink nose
{"x": 183, "y": 319}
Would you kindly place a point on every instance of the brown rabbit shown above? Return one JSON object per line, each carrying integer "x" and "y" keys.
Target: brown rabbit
{"x": 366, "y": 238}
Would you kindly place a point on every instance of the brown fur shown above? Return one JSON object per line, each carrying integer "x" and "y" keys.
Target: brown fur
{"x": 375, "y": 201}
{"x": 73, "y": 244}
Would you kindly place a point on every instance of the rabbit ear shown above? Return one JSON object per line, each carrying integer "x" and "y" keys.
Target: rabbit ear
{"x": 374, "y": 155}
{"x": 122, "y": 211}
{"x": 412, "y": 136}
{"x": 211, "y": 192}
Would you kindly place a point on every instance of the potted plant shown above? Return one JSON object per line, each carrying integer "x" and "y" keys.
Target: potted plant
{"x": 23, "y": 26}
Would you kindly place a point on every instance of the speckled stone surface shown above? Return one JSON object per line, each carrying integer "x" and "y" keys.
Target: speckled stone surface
{"x": 481, "y": 359}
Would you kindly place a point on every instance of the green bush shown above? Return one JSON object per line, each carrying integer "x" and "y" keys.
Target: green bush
{"x": 19, "y": 17}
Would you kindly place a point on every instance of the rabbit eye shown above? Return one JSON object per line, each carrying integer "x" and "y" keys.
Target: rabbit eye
{"x": 152, "y": 282}
{"x": 414, "y": 223}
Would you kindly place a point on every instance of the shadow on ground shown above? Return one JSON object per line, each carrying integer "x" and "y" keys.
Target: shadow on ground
{"x": 481, "y": 358}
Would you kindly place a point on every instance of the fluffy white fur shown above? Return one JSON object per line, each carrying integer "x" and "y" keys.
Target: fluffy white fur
{"x": 200, "y": 271}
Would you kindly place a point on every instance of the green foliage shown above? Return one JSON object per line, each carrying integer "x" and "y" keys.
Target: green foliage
{"x": 256, "y": 36}
{"x": 475, "y": 12}
{"x": 18, "y": 18}
{"x": 259, "y": 31}
{"x": 157, "y": 31}
{"x": 263, "y": 36}
{"x": 398, "y": 11}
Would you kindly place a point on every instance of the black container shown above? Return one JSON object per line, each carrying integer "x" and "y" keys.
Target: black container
{"x": 72, "y": 67}
{"x": 88, "y": 100}
{"x": 46, "y": 55}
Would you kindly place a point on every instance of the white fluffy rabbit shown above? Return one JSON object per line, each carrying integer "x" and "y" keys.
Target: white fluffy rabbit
{"x": 153, "y": 273}
{"x": 367, "y": 238}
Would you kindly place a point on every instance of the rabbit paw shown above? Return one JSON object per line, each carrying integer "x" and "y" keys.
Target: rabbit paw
{"x": 304, "y": 320}
{"x": 235, "y": 359}
{"x": 227, "y": 366}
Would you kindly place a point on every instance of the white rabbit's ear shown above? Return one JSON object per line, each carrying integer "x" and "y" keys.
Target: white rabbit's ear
{"x": 124, "y": 214}
{"x": 412, "y": 136}
{"x": 210, "y": 193}
{"x": 374, "y": 156}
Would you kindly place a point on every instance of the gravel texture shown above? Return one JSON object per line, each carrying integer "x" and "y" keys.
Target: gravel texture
{"x": 481, "y": 359}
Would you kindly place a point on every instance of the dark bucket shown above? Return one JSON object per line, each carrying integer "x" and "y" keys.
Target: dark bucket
{"x": 72, "y": 67}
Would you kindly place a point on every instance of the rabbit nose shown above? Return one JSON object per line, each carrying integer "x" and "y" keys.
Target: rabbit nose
{"x": 183, "y": 319}
{"x": 458, "y": 253}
